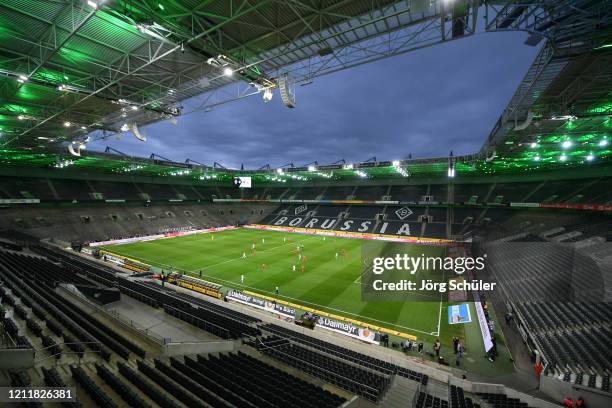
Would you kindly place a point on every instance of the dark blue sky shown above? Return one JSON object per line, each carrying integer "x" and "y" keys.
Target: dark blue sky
{"x": 423, "y": 103}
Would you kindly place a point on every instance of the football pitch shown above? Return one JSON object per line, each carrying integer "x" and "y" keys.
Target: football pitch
{"x": 330, "y": 282}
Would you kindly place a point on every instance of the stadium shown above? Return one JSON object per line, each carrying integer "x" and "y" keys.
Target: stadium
{"x": 462, "y": 277}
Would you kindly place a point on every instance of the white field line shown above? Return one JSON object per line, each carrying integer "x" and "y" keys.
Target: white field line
{"x": 300, "y": 301}
{"x": 155, "y": 263}
{"x": 239, "y": 258}
{"x": 316, "y": 305}
{"x": 440, "y": 311}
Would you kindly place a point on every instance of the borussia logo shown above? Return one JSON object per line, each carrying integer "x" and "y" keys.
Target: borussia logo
{"x": 403, "y": 213}
{"x": 300, "y": 209}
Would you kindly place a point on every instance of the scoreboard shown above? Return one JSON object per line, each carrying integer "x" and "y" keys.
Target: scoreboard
{"x": 242, "y": 182}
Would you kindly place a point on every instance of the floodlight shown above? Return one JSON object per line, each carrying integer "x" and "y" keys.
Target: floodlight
{"x": 603, "y": 143}
{"x": 92, "y": 4}
{"x": 534, "y": 145}
{"x": 312, "y": 168}
{"x": 20, "y": 117}
{"x": 396, "y": 163}
{"x": 279, "y": 171}
{"x": 564, "y": 117}
{"x": 125, "y": 127}
{"x": 267, "y": 95}
{"x": 134, "y": 107}
{"x": 67, "y": 124}
{"x": 227, "y": 71}
{"x": 566, "y": 144}
{"x": 537, "y": 158}
{"x": 590, "y": 157}
{"x": 563, "y": 157}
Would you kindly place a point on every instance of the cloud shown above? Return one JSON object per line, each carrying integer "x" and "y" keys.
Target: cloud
{"x": 424, "y": 103}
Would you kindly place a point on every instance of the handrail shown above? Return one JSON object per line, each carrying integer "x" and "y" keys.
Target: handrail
{"x": 221, "y": 329}
{"x": 115, "y": 315}
{"x": 265, "y": 346}
{"x": 325, "y": 349}
{"x": 78, "y": 353}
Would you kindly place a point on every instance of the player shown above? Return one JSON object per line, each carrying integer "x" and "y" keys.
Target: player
{"x": 244, "y": 255}
{"x": 253, "y": 246}
{"x": 343, "y": 252}
{"x": 293, "y": 268}
{"x": 242, "y": 279}
{"x": 263, "y": 240}
{"x": 337, "y": 254}
{"x": 305, "y": 258}
{"x": 284, "y": 239}
{"x": 254, "y": 253}
{"x": 302, "y": 268}
{"x": 299, "y": 257}
{"x": 212, "y": 237}
{"x": 264, "y": 266}
{"x": 276, "y": 290}
{"x": 324, "y": 238}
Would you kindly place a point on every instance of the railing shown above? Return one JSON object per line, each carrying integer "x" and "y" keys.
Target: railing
{"x": 138, "y": 295}
{"x": 373, "y": 392}
{"x": 131, "y": 324}
{"x": 78, "y": 353}
{"x": 10, "y": 339}
{"x": 204, "y": 324}
{"x": 326, "y": 349}
{"x": 415, "y": 398}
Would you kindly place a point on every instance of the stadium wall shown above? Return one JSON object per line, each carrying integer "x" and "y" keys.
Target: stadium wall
{"x": 205, "y": 347}
{"x": 16, "y": 358}
{"x": 558, "y": 390}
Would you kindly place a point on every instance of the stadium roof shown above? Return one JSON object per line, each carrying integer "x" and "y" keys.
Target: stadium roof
{"x": 70, "y": 71}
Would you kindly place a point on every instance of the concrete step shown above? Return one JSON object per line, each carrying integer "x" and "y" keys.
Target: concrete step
{"x": 400, "y": 394}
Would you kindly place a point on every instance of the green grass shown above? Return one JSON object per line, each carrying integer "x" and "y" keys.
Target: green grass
{"x": 328, "y": 284}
